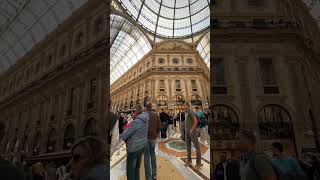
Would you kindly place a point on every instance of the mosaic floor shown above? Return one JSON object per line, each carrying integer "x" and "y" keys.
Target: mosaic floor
{"x": 170, "y": 156}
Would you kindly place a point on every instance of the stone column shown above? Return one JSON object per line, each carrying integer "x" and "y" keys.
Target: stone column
{"x": 170, "y": 97}
{"x": 187, "y": 94}
{"x": 247, "y": 117}
{"x": 297, "y": 86}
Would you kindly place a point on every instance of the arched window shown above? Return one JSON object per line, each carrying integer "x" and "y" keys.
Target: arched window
{"x": 179, "y": 100}
{"x": 162, "y": 100}
{"x": 225, "y": 122}
{"x": 90, "y": 128}
{"x": 36, "y": 144}
{"x": 274, "y": 122}
{"x": 68, "y": 137}
{"x": 196, "y": 100}
{"x": 52, "y": 138}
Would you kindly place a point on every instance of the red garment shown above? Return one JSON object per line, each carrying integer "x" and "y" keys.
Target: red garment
{"x": 127, "y": 125}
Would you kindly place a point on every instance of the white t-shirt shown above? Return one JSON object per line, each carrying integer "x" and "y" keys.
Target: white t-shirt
{"x": 224, "y": 170}
{"x": 62, "y": 173}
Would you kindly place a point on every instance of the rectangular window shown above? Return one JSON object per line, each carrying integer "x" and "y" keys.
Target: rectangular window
{"x": 267, "y": 72}
{"x": 268, "y": 76}
{"x": 178, "y": 85}
{"x": 161, "y": 61}
{"x": 193, "y": 85}
{"x": 161, "y": 84}
{"x": 218, "y": 70}
{"x": 93, "y": 87}
{"x": 175, "y": 61}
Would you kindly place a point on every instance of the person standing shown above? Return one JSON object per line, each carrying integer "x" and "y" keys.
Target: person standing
{"x": 253, "y": 165}
{"x": 201, "y": 117}
{"x": 149, "y": 151}
{"x": 136, "y": 138}
{"x": 233, "y": 166}
{"x": 220, "y": 172}
{"x": 191, "y": 135}
{"x": 121, "y": 123}
{"x": 164, "y": 117}
{"x": 288, "y": 166}
{"x": 181, "y": 118}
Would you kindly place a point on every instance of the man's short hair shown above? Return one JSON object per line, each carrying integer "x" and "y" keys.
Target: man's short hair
{"x": 197, "y": 107}
{"x": 139, "y": 109}
{"x": 149, "y": 106}
{"x": 278, "y": 146}
{"x": 249, "y": 134}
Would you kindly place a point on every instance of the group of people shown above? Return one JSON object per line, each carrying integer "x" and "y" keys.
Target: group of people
{"x": 247, "y": 164}
{"x": 88, "y": 162}
{"x": 142, "y": 132}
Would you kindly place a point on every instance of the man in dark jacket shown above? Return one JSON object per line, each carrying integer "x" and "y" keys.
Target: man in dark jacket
{"x": 233, "y": 167}
{"x": 153, "y": 131}
{"x": 227, "y": 169}
{"x": 220, "y": 172}
{"x": 164, "y": 117}
{"x": 9, "y": 171}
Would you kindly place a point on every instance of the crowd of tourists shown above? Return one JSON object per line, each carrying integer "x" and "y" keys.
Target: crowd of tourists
{"x": 88, "y": 162}
{"x": 141, "y": 129}
{"x": 246, "y": 163}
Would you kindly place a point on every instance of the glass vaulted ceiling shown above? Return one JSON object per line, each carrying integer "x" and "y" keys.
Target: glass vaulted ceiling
{"x": 204, "y": 48}
{"x": 128, "y": 46}
{"x": 314, "y": 8}
{"x": 23, "y": 23}
{"x": 170, "y": 18}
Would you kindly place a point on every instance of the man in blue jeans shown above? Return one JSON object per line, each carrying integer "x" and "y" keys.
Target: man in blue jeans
{"x": 136, "y": 139}
{"x": 149, "y": 151}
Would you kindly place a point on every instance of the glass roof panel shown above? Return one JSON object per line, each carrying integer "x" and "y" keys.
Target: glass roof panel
{"x": 24, "y": 23}
{"x": 314, "y": 7}
{"x": 163, "y": 14}
{"x": 128, "y": 46}
{"x": 204, "y": 48}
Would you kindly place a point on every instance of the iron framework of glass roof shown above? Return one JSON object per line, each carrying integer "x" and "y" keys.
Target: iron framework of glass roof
{"x": 170, "y": 18}
{"x": 128, "y": 46}
{"x": 314, "y": 8}
{"x": 23, "y": 23}
{"x": 204, "y": 48}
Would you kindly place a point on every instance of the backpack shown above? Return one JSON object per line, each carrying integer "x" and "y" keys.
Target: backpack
{"x": 280, "y": 175}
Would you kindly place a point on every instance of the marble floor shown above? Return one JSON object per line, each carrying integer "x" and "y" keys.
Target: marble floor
{"x": 170, "y": 166}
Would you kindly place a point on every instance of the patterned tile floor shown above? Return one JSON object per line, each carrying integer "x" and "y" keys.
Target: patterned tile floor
{"x": 170, "y": 155}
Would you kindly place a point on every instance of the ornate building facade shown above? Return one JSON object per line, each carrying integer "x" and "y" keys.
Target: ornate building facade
{"x": 265, "y": 74}
{"x": 172, "y": 73}
{"x": 56, "y": 92}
